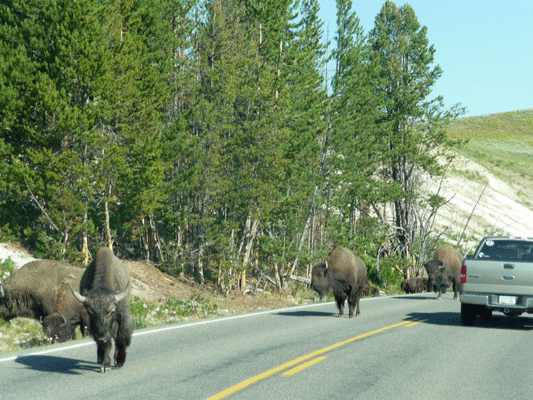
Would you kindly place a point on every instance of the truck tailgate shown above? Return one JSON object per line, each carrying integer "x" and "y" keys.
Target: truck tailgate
{"x": 498, "y": 277}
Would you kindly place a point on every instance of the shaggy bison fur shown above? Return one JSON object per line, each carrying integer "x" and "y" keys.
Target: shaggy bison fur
{"x": 345, "y": 275}
{"x": 415, "y": 285}
{"x": 105, "y": 287}
{"x": 61, "y": 324}
{"x": 369, "y": 290}
{"x": 445, "y": 270}
{"x": 32, "y": 292}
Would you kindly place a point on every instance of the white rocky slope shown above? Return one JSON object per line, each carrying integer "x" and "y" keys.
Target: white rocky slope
{"x": 497, "y": 211}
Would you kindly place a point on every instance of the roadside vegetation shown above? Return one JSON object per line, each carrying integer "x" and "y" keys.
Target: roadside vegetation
{"x": 503, "y": 143}
{"x": 203, "y": 136}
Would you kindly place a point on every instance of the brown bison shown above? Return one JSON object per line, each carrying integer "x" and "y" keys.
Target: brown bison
{"x": 369, "y": 290}
{"x": 415, "y": 285}
{"x": 32, "y": 291}
{"x": 105, "y": 288}
{"x": 61, "y": 324}
{"x": 345, "y": 275}
{"x": 445, "y": 270}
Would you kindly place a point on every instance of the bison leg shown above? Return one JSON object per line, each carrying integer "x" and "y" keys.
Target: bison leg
{"x": 340, "y": 304}
{"x": 353, "y": 302}
{"x": 123, "y": 340}
{"x": 103, "y": 350}
{"x": 455, "y": 290}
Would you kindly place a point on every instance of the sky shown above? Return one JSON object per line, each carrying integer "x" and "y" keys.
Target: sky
{"x": 484, "y": 48}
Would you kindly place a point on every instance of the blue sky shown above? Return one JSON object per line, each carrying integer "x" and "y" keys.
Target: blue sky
{"x": 484, "y": 47}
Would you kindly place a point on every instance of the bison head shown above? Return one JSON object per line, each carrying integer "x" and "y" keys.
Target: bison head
{"x": 434, "y": 269}
{"x": 319, "y": 280}
{"x": 101, "y": 305}
{"x": 57, "y": 328}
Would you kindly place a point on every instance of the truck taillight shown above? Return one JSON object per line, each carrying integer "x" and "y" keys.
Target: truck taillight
{"x": 463, "y": 274}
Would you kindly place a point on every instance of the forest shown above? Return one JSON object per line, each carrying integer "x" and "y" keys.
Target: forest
{"x": 211, "y": 138}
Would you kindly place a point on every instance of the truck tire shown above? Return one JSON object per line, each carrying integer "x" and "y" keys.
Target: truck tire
{"x": 468, "y": 314}
{"x": 485, "y": 314}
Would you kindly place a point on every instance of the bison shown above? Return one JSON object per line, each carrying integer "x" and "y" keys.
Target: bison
{"x": 415, "y": 285}
{"x": 32, "y": 292}
{"x": 445, "y": 270}
{"x": 61, "y": 324}
{"x": 105, "y": 287}
{"x": 369, "y": 290}
{"x": 345, "y": 275}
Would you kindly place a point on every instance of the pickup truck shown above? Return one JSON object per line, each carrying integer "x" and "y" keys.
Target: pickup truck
{"x": 498, "y": 277}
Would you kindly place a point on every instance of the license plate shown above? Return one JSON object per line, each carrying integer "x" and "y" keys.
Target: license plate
{"x": 508, "y": 300}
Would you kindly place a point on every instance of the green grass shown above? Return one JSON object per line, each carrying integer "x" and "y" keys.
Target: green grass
{"x": 503, "y": 143}
{"x": 172, "y": 310}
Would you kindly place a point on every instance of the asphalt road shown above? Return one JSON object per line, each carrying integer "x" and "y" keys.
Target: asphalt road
{"x": 400, "y": 347}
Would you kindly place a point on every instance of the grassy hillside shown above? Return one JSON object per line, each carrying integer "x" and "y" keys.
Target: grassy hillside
{"x": 504, "y": 144}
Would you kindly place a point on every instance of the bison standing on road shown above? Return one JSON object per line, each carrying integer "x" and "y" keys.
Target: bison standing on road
{"x": 32, "y": 291}
{"x": 105, "y": 287}
{"x": 345, "y": 275}
{"x": 415, "y": 285}
{"x": 445, "y": 270}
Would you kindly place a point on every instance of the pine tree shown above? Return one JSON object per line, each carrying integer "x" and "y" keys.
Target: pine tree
{"x": 352, "y": 166}
{"x": 411, "y": 126}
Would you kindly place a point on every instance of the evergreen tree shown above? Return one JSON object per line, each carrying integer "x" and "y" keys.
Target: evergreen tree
{"x": 50, "y": 53}
{"x": 353, "y": 178}
{"x": 411, "y": 126}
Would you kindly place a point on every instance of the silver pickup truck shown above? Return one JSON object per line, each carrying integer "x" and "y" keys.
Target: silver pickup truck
{"x": 498, "y": 277}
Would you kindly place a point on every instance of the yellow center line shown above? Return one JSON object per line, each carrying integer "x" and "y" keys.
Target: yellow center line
{"x": 264, "y": 375}
{"x": 303, "y": 366}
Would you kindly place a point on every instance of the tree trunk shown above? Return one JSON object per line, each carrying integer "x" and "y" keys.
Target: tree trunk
{"x": 107, "y": 227}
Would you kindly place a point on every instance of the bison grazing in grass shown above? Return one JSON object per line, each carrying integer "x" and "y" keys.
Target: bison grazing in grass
{"x": 32, "y": 292}
{"x": 415, "y": 285}
{"x": 445, "y": 270}
{"x": 61, "y": 324}
{"x": 345, "y": 275}
{"x": 105, "y": 287}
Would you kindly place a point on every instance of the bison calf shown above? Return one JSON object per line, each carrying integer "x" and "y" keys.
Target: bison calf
{"x": 105, "y": 287}
{"x": 345, "y": 275}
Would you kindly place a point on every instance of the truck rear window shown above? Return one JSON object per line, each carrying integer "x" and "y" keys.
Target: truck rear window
{"x": 507, "y": 250}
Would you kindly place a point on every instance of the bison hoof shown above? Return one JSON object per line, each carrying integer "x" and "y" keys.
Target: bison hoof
{"x": 120, "y": 362}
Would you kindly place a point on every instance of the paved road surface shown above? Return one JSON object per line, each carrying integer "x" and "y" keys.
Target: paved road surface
{"x": 400, "y": 347}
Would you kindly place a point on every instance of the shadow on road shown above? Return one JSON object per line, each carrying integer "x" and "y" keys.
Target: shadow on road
{"x": 60, "y": 365}
{"x": 429, "y": 296}
{"x": 306, "y": 314}
{"x": 454, "y": 318}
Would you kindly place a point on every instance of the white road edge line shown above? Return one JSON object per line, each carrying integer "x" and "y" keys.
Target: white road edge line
{"x": 180, "y": 326}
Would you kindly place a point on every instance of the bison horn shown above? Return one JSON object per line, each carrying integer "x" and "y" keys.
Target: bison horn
{"x": 78, "y": 296}
{"x": 1, "y": 290}
{"x": 64, "y": 322}
{"x": 122, "y": 295}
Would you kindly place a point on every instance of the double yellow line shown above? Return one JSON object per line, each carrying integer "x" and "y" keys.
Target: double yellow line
{"x": 292, "y": 363}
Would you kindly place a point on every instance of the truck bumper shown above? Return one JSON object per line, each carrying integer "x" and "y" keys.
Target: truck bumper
{"x": 474, "y": 298}
{"x": 523, "y": 303}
